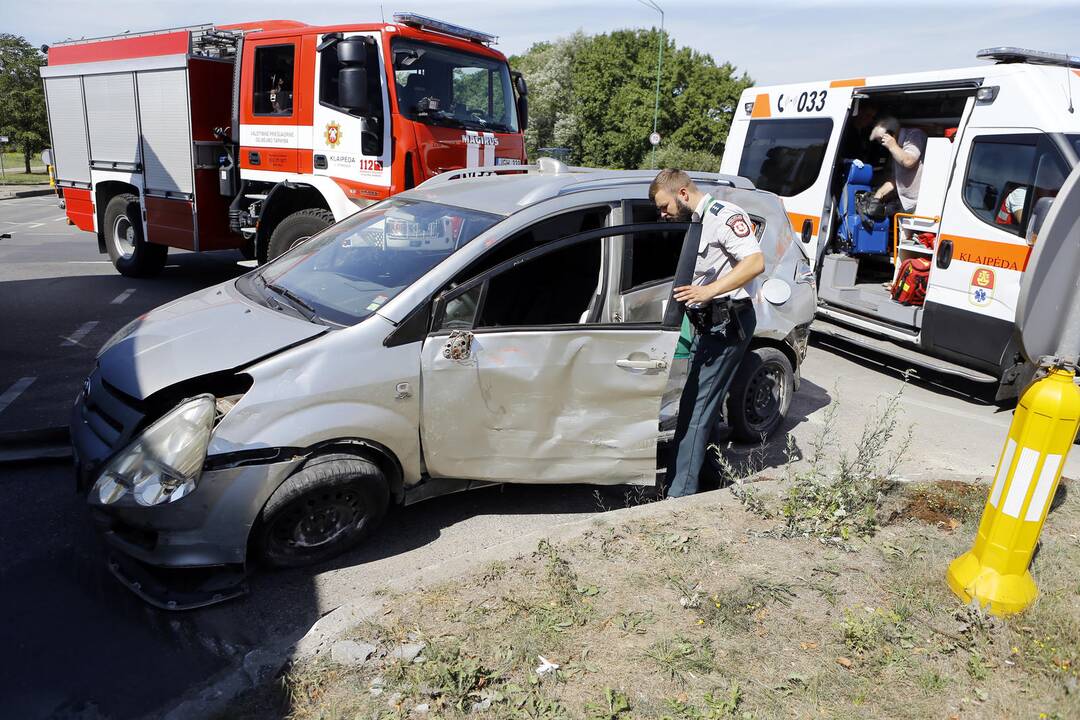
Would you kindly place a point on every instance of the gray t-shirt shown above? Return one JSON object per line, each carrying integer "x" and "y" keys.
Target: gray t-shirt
{"x": 913, "y": 142}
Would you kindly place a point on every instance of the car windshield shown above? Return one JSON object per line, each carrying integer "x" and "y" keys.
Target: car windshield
{"x": 348, "y": 271}
{"x": 439, "y": 86}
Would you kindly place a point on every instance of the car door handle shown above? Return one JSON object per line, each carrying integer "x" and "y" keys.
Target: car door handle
{"x": 642, "y": 364}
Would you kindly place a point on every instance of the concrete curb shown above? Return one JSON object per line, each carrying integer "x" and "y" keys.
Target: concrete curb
{"x": 263, "y": 663}
{"x": 28, "y": 193}
{"x": 38, "y": 445}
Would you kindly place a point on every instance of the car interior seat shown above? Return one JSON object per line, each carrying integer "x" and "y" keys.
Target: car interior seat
{"x": 855, "y": 237}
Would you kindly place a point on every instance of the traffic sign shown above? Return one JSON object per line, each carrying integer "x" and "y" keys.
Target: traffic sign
{"x": 654, "y": 138}
{"x": 3, "y": 138}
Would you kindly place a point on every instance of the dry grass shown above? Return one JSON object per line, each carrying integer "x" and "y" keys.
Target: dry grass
{"x": 715, "y": 614}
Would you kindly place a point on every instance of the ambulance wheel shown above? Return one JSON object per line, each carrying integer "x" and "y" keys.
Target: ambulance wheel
{"x": 326, "y": 508}
{"x": 296, "y": 228}
{"x": 760, "y": 394}
{"x": 128, "y": 250}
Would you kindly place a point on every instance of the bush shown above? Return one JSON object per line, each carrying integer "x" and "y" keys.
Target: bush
{"x": 677, "y": 157}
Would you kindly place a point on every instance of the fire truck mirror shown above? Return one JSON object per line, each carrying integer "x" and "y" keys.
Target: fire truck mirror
{"x": 352, "y": 87}
{"x": 522, "y": 100}
{"x": 353, "y": 51}
{"x": 522, "y": 87}
{"x": 1038, "y": 215}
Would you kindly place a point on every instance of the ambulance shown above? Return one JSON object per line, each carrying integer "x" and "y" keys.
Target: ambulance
{"x": 936, "y": 287}
{"x": 258, "y": 135}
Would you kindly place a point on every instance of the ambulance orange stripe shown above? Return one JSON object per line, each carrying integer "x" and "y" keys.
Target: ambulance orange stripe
{"x": 850, "y": 82}
{"x": 989, "y": 252}
{"x": 797, "y": 221}
{"x": 761, "y": 107}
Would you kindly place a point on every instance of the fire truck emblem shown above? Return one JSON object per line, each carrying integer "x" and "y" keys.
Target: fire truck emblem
{"x": 332, "y": 134}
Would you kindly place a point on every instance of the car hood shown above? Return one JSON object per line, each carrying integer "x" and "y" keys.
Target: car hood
{"x": 209, "y": 331}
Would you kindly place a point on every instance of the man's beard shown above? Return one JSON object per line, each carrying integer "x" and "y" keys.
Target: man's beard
{"x": 685, "y": 214}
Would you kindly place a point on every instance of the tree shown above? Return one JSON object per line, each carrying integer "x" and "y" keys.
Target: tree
{"x": 547, "y": 68}
{"x": 595, "y": 94}
{"x": 22, "y": 99}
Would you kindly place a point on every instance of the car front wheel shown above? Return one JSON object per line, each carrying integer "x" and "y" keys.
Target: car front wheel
{"x": 760, "y": 394}
{"x": 326, "y": 508}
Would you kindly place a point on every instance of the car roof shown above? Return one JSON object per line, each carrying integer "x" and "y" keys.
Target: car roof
{"x": 508, "y": 188}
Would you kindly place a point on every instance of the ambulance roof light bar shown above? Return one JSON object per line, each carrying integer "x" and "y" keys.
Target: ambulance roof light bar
{"x": 1008, "y": 54}
{"x": 425, "y": 23}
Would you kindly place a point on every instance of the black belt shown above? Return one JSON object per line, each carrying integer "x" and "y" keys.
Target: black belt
{"x": 717, "y": 312}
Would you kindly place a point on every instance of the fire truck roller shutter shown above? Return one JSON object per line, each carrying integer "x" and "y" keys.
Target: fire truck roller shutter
{"x": 166, "y": 131}
{"x": 67, "y": 120}
{"x": 113, "y": 123}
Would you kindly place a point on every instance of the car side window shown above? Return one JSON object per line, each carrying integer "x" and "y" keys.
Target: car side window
{"x": 649, "y": 257}
{"x": 556, "y": 288}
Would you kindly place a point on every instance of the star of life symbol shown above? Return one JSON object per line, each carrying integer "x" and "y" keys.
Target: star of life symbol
{"x": 980, "y": 296}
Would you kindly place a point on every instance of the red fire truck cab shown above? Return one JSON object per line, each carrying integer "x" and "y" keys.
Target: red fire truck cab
{"x": 255, "y": 136}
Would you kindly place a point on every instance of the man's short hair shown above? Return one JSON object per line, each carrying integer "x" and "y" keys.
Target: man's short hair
{"x": 671, "y": 179}
{"x": 889, "y": 123}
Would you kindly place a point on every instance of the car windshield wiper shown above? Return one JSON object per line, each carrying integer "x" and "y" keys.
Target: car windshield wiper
{"x": 295, "y": 301}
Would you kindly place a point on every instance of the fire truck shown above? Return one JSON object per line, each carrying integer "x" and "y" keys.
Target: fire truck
{"x": 255, "y": 136}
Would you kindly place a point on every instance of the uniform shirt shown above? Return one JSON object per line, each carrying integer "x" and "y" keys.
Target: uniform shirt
{"x": 913, "y": 142}
{"x": 727, "y": 237}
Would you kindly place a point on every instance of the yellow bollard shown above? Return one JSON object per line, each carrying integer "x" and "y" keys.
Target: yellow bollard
{"x": 995, "y": 570}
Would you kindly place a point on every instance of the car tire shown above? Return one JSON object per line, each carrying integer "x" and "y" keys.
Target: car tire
{"x": 296, "y": 228}
{"x": 326, "y": 508}
{"x": 130, "y": 253}
{"x": 760, "y": 394}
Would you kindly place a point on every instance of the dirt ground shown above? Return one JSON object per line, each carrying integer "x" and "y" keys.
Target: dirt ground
{"x": 720, "y": 612}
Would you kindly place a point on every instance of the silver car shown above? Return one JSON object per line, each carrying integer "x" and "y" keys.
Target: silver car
{"x": 514, "y": 327}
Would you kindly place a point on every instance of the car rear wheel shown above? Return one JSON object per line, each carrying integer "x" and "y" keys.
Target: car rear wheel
{"x": 295, "y": 229}
{"x": 326, "y": 508}
{"x": 124, "y": 240}
{"x": 760, "y": 394}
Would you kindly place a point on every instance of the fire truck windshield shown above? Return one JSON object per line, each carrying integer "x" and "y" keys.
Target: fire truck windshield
{"x": 439, "y": 86}
{"x": 347, "y": 272}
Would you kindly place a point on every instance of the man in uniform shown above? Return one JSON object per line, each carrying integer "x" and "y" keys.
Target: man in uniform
{"x": 718, "y": 303}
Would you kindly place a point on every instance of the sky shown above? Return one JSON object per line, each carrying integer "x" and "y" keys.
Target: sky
{"x": 773, "y": 42}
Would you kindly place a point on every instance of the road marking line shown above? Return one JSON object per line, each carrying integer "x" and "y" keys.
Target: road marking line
{"x": 58, "y": 219}
{"x": 35, "y": 225}
{"x": 122, "y": 296}
{"x": 80, "y": 332}
{"x": 996, "y": 422}
{"x": 16, "y": 389}
{"x": 89, "y": 262}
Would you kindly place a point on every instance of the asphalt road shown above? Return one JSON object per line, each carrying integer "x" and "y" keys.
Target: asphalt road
{"x": 75, "y": 644}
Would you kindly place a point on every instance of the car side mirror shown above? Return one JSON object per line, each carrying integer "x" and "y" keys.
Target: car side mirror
{"x": 1035, "y": 219}
{"x": 989, "y": 200}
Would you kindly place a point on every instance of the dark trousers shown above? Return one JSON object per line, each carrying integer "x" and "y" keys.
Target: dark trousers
{"x": 714, "y": 357}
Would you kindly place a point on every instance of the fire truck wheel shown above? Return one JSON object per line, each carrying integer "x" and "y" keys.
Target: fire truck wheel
{"x": 326, "y": 508}
{"x": 129, "y": 252}
{"x": 760, "y": 394}
{"x": 295, "y": 229}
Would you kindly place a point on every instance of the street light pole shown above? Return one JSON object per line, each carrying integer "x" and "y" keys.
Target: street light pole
{"x": 659, "y": 62}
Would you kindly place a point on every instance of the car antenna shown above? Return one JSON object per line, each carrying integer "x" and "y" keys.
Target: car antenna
{"x": 1068, "y": 83}
{"x": 382, "y": 14}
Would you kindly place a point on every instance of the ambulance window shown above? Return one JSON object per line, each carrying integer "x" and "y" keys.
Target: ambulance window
{"x": 785, "y": 156}
{"x": 273, "y": 87}
{"x": 999, "y": 178}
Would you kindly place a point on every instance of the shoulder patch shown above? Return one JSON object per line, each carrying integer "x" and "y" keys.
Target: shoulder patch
{"x": 716, "y": 208}
{"x": 738, "y": 225}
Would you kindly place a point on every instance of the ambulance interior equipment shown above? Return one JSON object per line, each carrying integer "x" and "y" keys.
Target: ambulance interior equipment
{"x": 861, "y": 257}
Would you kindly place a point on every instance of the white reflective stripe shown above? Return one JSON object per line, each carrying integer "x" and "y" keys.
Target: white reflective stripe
{"x": 488, "y": 149}
{"x": 1021, "y": 481}
{"x": 472, "y": 150}
{"x": 1002, "y": 472}
{"x": 1042, "y": 488}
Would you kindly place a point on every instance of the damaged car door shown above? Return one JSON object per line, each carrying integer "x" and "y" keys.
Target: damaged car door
{"x": 523, "y": 382}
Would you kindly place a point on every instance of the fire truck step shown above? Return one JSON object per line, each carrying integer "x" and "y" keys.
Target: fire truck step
{"x": 897, "y": 352}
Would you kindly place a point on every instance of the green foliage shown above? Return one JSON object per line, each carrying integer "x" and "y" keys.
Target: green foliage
{"x": 22, "y": 99}
{"x": 614, "y": 706}
{"x": 678, "y": 656}
{"x": 677, "y": 157}
{"x": 716, "y": 705}
{"x": 596, "y": 95}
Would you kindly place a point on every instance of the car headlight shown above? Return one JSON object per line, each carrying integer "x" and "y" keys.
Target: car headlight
{"x": 164, "y": 463}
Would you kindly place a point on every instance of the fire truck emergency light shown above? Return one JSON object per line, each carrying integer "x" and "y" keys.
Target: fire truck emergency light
{"x": 425, "y": 23}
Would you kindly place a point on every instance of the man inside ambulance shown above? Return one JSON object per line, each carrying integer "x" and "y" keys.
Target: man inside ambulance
{"x": 906, "y": 146}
